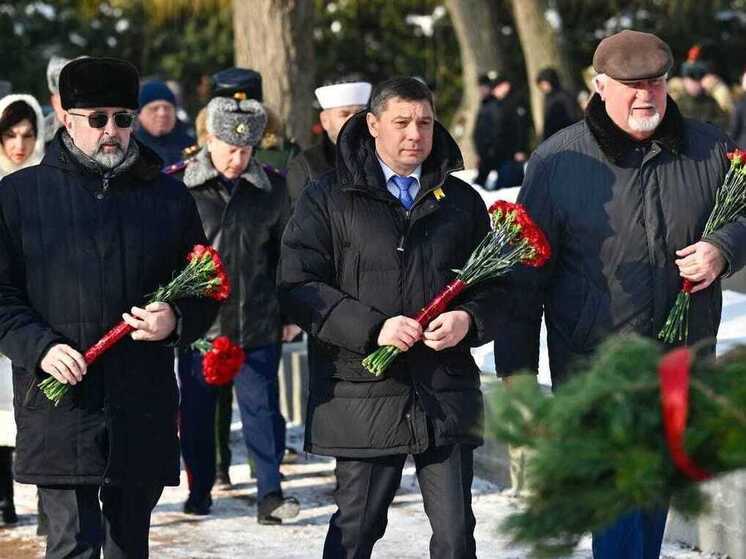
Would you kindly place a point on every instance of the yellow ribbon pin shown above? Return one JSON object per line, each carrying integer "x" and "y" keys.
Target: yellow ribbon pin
{"x": 439, "y": 194}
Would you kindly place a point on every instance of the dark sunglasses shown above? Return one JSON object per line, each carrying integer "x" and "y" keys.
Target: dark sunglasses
{"x": 98, "y": 120}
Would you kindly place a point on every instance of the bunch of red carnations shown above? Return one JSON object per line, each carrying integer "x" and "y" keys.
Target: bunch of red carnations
{"x": 513, "y": 239}
{"x": 730, "y": 203}
{"x": 203, "y": 276}
{"x": 221, "y": 359}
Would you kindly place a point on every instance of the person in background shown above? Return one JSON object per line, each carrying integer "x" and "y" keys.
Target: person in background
{"x": 244, "y": 210}
{"x": 21, "y": 133}
{"x": 501, "y": 136}
{"x": 338, "y": 103}
{"x": 54, "y": 120}
{"x": 737, "y": 130}
{"x": 159, "y": 129}
{"x": 695, "y": 102}
{"x": 560, "y": 107}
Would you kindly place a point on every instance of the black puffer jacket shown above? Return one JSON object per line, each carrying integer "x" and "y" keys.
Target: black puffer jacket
{"x": 309, "y": 165}
{"x": 246, "y": 227}
{"x": 353, "y": 257}
{"x": 615, "y": 211}
{"x": 73, "y": 256}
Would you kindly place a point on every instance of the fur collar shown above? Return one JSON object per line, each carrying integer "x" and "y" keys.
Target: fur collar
{"x": 200, "y": 170}
{"x": 133, "y": 154}
{"x": 615, "y": 143}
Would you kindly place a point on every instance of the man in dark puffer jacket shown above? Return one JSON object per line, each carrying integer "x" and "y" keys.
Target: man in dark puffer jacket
{"x": 84, "y": 236}
{"x": 368, "y": 246}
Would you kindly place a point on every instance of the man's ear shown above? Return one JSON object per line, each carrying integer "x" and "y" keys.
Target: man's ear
{"x": 67, "y": 120}
{"x": 372, "y": 122}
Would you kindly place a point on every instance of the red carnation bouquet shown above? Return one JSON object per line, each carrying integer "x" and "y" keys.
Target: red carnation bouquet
{"x": 203, "y": 276}
{"x": 221, "y": 359}
{"x": 730, "y": 203}
{"x": 513, "y": 239}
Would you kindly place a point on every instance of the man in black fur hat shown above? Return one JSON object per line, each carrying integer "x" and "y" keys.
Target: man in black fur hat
{"x": 623, "y": 197}
{"x": 84, "y": 236}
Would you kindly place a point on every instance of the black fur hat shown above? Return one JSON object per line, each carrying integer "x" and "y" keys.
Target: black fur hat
{"x": 91, "y": 82}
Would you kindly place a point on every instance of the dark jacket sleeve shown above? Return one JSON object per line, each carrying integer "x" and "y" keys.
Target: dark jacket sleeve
{"x": 308, "y": 294}
{"x": 195, "y": 314}
{"x": 297, "y": 177}
{"x": 25, "y": 336}
{"x": 519, "y": 315}
{"x": 481, "y": 301}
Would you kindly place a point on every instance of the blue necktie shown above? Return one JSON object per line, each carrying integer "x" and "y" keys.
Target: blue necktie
{"x": 403, "y": 184}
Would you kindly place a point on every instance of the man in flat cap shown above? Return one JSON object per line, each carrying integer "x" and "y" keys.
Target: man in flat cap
{"x": 338, "y": 103}
{"x": 244, "y": 210}
{"x": 623, "y": 197}
{"x": 85, "y": 236}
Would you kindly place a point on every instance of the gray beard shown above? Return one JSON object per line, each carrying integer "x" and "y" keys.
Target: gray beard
{"x": 109, "y": 160}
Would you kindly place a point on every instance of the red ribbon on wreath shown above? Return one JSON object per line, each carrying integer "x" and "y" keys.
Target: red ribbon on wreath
{"x": 674, "y": 370}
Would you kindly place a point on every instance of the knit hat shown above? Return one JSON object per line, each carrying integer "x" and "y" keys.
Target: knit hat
{"x": 156, "y": 90}
{"x": 239, "y": 123}
{"x": 87, "y": 83}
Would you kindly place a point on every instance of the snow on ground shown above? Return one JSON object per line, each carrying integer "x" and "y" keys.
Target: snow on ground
{"x": 231, "y": 532}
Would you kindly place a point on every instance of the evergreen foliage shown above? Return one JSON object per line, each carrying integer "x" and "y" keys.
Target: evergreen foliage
{"x": 598, "y": 448}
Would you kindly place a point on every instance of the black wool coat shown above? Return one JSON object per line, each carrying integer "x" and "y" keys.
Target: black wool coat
{"x": 75, "y": 252}
{"x": 615, "y": 212}
{"x": 245, "y": 225}
{"x": 353, "y": 257}
{"x": 309, "y": 165}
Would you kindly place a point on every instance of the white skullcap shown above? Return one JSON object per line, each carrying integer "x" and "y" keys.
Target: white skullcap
{"x": 343, "y": 94}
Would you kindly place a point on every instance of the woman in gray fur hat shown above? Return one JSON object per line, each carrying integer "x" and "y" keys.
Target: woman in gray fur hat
{"x": 244, "y": 209}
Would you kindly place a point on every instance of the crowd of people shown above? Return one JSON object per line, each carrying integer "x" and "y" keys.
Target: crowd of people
{"x": 102, "y": 198}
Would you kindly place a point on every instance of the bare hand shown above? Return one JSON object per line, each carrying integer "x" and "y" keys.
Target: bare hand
{"x": 701, "y": 263}
{"x": 153, "y": 323}
{"x": 64, "y": 363}
{"x": 447, "y": 330}
{"x": 520, "y": 157}
{"x": 400, "y": 331}
{"x": 289, "y": 332}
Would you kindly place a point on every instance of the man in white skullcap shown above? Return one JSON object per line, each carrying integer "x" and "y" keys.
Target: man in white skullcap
{"x": 338, "y": 103}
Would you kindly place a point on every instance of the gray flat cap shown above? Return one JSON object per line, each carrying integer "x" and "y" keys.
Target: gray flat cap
{"x": 631, "y": 56}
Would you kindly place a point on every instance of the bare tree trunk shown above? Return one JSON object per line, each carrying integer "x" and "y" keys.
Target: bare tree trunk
{"x": 274, "y": 38}
{"x": 476, "y": 31}
{"x": 541, "y": 48}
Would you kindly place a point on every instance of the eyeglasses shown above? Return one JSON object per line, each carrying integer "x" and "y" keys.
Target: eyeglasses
{"x": 97, "y": 119}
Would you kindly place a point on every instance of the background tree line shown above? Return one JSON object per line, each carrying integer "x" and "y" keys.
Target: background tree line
{"x": 299, "y": 44}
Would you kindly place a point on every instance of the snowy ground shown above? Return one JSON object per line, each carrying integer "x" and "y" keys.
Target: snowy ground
{"x": 232, "y": 532}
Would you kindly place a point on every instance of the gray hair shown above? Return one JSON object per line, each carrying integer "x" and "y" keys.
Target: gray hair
{"x": 53, "y": 73}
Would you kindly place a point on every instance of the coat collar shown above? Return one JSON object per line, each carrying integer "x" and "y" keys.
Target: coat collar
{"x": 201, "y": 170}
{"x": 358, "y": 166}
{"x": 615, "y": 143}
{"x": 146, "y": 165}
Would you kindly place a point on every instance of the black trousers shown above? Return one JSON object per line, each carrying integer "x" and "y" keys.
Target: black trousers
{"x": 79, "y": 526}
{"x": 366, "y": 487}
